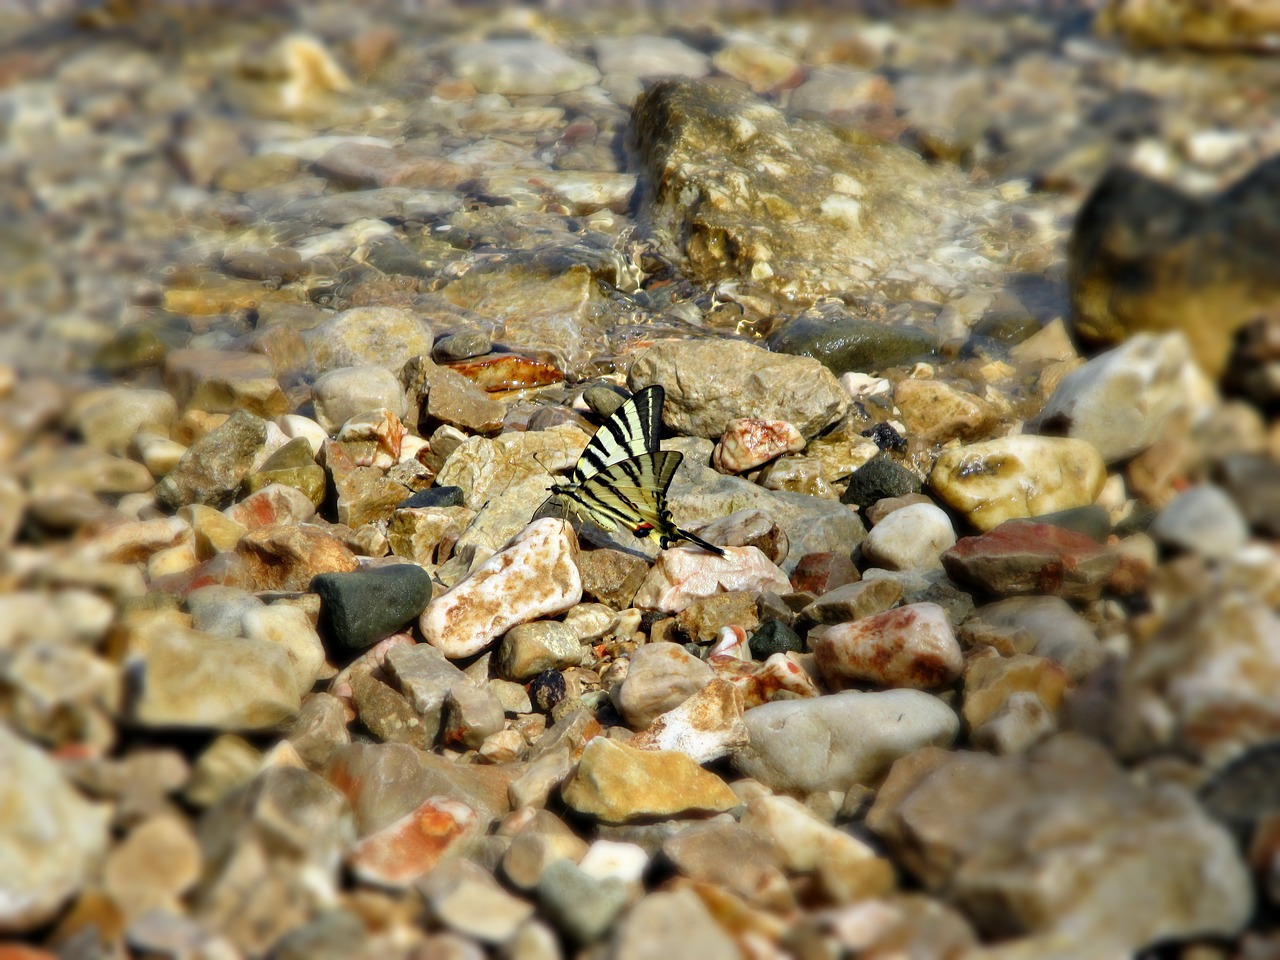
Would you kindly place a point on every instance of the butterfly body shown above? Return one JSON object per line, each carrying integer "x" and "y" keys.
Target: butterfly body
{"x": 621, "y": 479}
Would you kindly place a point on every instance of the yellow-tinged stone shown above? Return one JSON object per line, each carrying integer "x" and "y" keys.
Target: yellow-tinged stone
{"x": 1018, "y": 476}
{"x": 175, "y": 559}
{"x": 215, "y": 532}
{"x": 309, "y": 479}
{"x": 214, "y": 296}
{"x": 990, "y": 681}
{"x": 617, "y": 783}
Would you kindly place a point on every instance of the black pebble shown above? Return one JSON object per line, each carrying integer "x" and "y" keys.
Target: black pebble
{"x": 360, "y": 608}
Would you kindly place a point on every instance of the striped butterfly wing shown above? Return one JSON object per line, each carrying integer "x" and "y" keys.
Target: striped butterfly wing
{"x": 631, "y": 493}
{"x": 631, "y": 431}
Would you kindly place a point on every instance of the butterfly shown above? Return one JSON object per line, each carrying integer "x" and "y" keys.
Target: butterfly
{"x": 621, "y": 479}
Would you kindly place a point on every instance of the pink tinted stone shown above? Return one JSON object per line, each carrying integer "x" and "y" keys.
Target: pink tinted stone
{"x": 399, "y": 854}
{"x": 910, "y": 646}
{"x": 761, "y": 682}
{"x": 274, "y": 503}
{"x": 684, "y": 573}
{"x": 748, "y": 443}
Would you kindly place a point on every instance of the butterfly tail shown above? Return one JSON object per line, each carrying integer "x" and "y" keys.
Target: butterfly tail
{"x": 694, "y": 538}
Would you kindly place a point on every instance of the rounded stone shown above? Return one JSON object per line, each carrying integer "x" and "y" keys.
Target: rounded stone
{"x": 911, "y": 538}
{"x": 362, "y": 607}
{"x": 879, "y": 479}
{"x": 1201, "y": 520}
{"x": 341, "y": 394}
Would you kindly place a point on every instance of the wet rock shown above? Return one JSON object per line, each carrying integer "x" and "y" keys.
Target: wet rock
{"x": 661, "y": 676}
{"x": 1017, "y": 476}
{"x": 530, "y": 648}
{"x": 706, "y": 726}
{"x": 1177, "y": 23}
{"x": 774, "y": 636}
{"x": 853, "y": 601}
{"x": 1121, "y": 400}
{"x": 761, "y": 66}
{"x": 877, "y": 480}
{"x": 369, "y": 336}
{"x": 108, "y": 419}
{"x": 911, "y": 538}
{"x": 1203, "y": 520}
{"x": 320, "y": 726}
{"x": 221, "y": 381}
{"x": 912, "y": 646}
{"x": 804, "y": 204}
{"x": 461, "y": 346}
{"x": 440, "y": 394}
{"x": 748, "y": 443}
{"x": 212, "y": 469}
{"x": 534, "y": 575}
{"x": 361, "y": 607}
{"x": 617, "y": 783}
{"x": 845, "y": 343}
{"x": 290, "y": 556}
{"x": 190, "y": 679}
{"x": 347, "y": 391}
{"x": 53, "y": 840}
{"x": 683, "y": 574}
{"x": 364, "y": 165}
{"x": 520, "y": 67}
{"x": 961, "y": 822}
{"x": 645, "y": 56}
{"x": 1025, "y": 558}
{"x": 837, "y": 741}
{"x": 1133, "y": 226}
{"x": 936, "y": 411}
{"x": 709, "y": 383}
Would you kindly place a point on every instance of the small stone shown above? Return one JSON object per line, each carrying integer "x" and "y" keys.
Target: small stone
{"x": 611, "y": 576}
{"x": 53, "y": 837}
{"x": 878, "y": 479}
{"x": 443, "y": 395}
{"x": 731, "y": 857}
{"x": 1028, "y": 558}
{"x": 748, "y": 443}
{"x": 212, "y": 469}
{"x": 774, "y": 636}
{"x": 989, "y": 682}
{"x": 705, "y": 617}
{"x": 461, "y": 346}
{"x": 706, "y": 726}
{"x": 153, "y": 867}
{"x": 661, "y": 676}
{"x": 820, "y": 573}
{"x": 682, "y": 574}
{"x": 109, "y": 419}
{"x": 346, "y": 392}
{"x": 583, "y": 907}
{"x": 750, "y": 528}
{"x": 411, "y": 847}
{"x": 468, "y": 900}
{"x": 838, "y": 741}
{"x": 937, "y": 412}
{"x": 471, "y": 714}
{"x": 534, "y": 575}
{"x": 1055, "y": 629}
{"x": 530, "y": 648}
{"x": 761, "y": 66}
{"x": 853, "y": 601}
{"x": 911, "y": 538}
{"x": 648, "y": 57}
{"x": 214, "y": 532}
{"x": 433, "y": 497}
{"x": 275, "y": 503}
{"x": 369, "y": 336}
{"x": 321, "y": 725}
{"x": 617, "y": 783}
{"x": 517, "y": 66}
{"x": 289, "y": 556}
{"x": 670, "y": 924}
{"x": 912, "y": 646}
{"x": 361, "y": 607}
{"x": 1201, "y": 520}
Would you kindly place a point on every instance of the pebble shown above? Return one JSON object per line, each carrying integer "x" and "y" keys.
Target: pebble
{"x": 345, "y": 392}
{"x": 411, "y": 847}
{"x": 534, "y": 576}
{"x": 40, "y": 879}
{"x": 582, "y": 906}
{"x": 879, "y": 479}
{"x": 1204, "y": 520}
{"x": 774, "y": 636}
{"x": 519, "y": 67}
{"x": 646, "y": 56}
{"x": 611, "y": 576}
{"x": 617, "y": 783}
{"x": 910, "y": 538}
{"x": 1121, "y": 400}
{"x": 705, "y": 727}
{"x": 109, "y": 419}
{"x": 838, "y": 741}
{"x": 1017, "y": 476}
{"x": 1032, "y": 558}
{"x": 748, "y": 443}
{"x": 212, "y": 469}
{"x": 290, "y": 628}
{"x": 853, "y": 601}
{"x": 671, "y": 923}
{"x": 369, "y": 336}
{"x": 290, "y": 556}
{"x": 660, "y": 677}
{"x": 733, "y": 858}
{"x": 911, "y": 646}
{"x": 361, "y": 607}
{"x": 937, "y": 412}
{"x": 530, "y": 648}
{"x": 683, "y": 574}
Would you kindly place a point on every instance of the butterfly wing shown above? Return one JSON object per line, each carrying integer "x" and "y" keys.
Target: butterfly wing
{"x": 631, "y": 431}
{"x": 630, "y": 493}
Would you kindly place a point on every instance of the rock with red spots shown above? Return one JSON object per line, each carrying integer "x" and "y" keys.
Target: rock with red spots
{"x": 911, "y": 646}
{"x": 274, "y": 503}
{"x": 705, "y": 727}
{"x": 762, "y": 682}
{"x": 1025, "y": 558}
{"x": 535, "y": 575}
{"x": 682, "y": 574}
{"x": 410, "y": 848}
{"x": 818, "y": 573}
{"x": 748, "y": 443}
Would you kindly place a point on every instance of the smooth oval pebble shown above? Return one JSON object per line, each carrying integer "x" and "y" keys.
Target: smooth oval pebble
{"x": 362, "y": 607}
{"x": 911, "y": 538}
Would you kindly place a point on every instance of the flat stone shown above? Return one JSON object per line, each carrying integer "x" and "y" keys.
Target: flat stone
{"x": 369, "y": 336}
{"x": 683, "y": 574}
{"x": 530, "y": 648}
{"x": 911, "y": 646}
{"x": 936, "y": 411}
{"x": 706, "y": 726}
{"x": 1203, "y": 520}
{"x": 1028, "y": 558}
{"x": 516, "y": 66}
{"x": 289, "y": 556}
{"x": 412, "y": 846}
{"x": 853, "y": 601}
{"x": 617, "y": 783}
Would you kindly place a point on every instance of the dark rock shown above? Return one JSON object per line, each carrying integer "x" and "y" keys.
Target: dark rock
{"x": 547, "y": 689}
{"x": 1020, "y": 557}
{"x": 1091, "y": 520}
{"x": 461, "y": 346}
{"x": 878, "y": 479}
{"x": 362, "y": 607}
{"x": 433, "y": 497}
{"x": 772, "y": 637}
{"x": 844, "y": 343}
{"x": 1253, "y": 482}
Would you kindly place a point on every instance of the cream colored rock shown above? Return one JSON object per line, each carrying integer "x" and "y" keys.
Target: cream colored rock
{"x": 705, "y": 727}
{"x": 660, "y": 677}
{"x": 485, "y": 467}
{"x": 747, "y": 443}
{"x": 294, "y": 425}
{"x": 911, "y": 646}
{"x": 535, "y": 575}
{"x": 684, "y": 573}
{"x": 290, "y": 628}
{"x": 1018, "y": 476}
{"x": 617, "y": 783}
{"x": 762, "y": 682}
